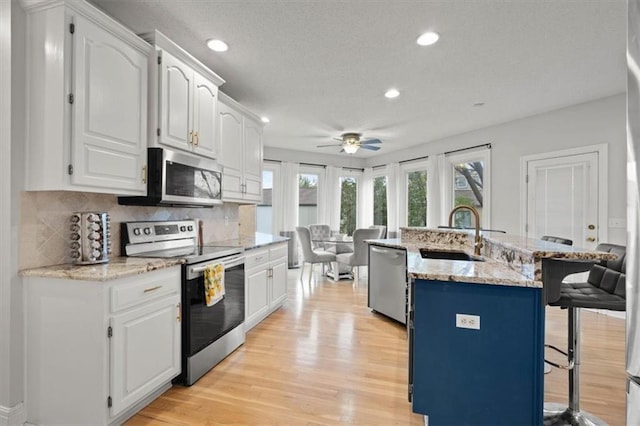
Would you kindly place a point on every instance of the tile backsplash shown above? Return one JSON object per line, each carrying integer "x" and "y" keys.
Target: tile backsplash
{"x": 45, "y": 222}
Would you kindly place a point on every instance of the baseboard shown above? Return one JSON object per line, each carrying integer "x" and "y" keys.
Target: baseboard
{"x": 12, "y": 416}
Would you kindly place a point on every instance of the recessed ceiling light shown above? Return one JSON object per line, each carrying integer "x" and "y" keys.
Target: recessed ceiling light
{"x": 265, "y": 119}
{"x": 217, "y": 45}
{"x": 392, "y": 93}
{"x": 427, "y": 39}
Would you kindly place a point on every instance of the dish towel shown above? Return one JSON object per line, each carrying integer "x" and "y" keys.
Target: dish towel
{"x": 213, "y": 283}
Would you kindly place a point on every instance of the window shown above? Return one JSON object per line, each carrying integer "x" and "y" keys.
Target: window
{"x": 264, "y": 211}
{"x": 267, "y": 212}
{"x": 348, "y": 204}
{"x": 308, "y": 181}
{"x": 416, "y": 198}
{"x": 469, "y": 183}
{"x": 380, "y": 200}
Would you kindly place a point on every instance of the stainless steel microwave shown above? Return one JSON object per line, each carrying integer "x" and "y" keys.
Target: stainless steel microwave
{"x": 179, "y": 179}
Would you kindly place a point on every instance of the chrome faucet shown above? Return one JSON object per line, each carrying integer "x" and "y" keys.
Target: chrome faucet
{"x": 478, "y": 240}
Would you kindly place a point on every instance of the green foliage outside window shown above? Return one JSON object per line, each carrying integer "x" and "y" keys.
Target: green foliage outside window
{"x": 348, "y": 205}
{"x": 417, "y": 199}
{"x": 380, "y": 201}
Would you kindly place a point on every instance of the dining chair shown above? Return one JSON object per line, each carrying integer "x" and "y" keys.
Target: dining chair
{"x": 309, "y": 254}
{"x": 382, "y": 230}
{"x": 319, "y": 232}
{"x": 360, "y": 255}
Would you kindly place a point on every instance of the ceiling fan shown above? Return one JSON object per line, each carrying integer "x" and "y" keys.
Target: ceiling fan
{"x": 351, "y": 142}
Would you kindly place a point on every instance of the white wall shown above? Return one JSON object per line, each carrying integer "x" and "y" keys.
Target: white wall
{"x": 289, "y": 155}
{"x": 602, "y": 121}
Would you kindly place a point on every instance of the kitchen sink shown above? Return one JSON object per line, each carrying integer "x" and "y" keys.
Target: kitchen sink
{"x": 450, "y": 255}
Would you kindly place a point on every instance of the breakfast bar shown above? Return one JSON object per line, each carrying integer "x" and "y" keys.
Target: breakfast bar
{"x": 476, "y": 323}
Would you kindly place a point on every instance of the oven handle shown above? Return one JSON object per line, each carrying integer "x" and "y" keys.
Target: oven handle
{"x": 227, "y": 263}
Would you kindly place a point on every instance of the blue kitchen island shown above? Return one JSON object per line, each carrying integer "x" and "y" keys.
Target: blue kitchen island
{"x": 485, "y": 370}
{"x": 476, "y": 327}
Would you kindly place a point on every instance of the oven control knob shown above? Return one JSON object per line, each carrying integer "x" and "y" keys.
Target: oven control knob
{"x": 136, "y": 231}
{"x": 190, "y": 228}
{"x": 147, "y": 231}
{"x": 183, "y": 228}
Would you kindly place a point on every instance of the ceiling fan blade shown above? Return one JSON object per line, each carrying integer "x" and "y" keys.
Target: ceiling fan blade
{"x": 324, "y": 146}
{"x": 370, "y": 141}
{"x": 370, "y": 147}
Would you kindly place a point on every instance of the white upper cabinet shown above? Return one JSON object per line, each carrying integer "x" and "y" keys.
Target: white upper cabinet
{"x": 240, "y": 137}
{"x": 184, "y": 98}
{"x": 87, "y": 101}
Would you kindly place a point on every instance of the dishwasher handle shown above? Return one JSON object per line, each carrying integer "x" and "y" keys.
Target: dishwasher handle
{"x": 392, "y": 253}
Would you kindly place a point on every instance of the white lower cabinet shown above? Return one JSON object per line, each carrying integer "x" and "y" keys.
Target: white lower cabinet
{"x": 98, "y": 351}
{"x": 265, "y": 282}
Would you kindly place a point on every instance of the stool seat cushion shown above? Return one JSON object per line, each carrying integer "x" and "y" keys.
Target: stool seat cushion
{"x": 604, "y": 288}
{"x": 585, "y": 295}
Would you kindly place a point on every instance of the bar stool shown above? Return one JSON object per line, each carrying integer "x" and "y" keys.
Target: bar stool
{"x": 559, "y": 240}
{"x": 604, "y": 289}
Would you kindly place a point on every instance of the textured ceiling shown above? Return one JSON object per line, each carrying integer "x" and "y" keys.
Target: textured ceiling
{"x": 320, "y": 68}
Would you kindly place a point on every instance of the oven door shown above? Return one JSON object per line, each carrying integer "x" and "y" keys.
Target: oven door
{"x": 202, "y": 324}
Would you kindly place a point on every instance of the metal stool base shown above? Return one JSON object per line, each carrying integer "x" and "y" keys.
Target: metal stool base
{"x": 560, "y": 415}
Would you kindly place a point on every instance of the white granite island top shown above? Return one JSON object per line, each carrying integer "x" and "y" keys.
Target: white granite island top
{"x": 507, "y": 260}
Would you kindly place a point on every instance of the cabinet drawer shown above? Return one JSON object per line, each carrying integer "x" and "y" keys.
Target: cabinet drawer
{"x": 256, "y": 257}
{"x": 142, "y": 288}
{"x": 278, "y": 251}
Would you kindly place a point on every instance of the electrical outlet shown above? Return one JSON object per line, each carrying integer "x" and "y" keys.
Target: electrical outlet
{"x": 468, "y": 321}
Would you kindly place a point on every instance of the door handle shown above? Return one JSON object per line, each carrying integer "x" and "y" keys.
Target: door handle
{"x": 591, "y": 239}
{"x": 591, "y": 227}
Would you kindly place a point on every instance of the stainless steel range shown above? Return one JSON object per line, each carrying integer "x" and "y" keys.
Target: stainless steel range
{"x": 209, "y": 333}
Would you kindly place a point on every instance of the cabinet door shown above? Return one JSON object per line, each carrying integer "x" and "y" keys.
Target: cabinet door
{"x": 176, "y": 103}
{"x": 205, "y": 99}
{"x": 278, "y": 283}
{"x": 252, "y": 160}
{"x": 145, "y": 351}
{"x": 109, "y": 130}
{"x": 256, "y": 296}
{"x": 230, "y": 132}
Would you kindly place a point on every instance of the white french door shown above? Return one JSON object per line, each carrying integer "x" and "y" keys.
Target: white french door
{"x": 563, "y": 198}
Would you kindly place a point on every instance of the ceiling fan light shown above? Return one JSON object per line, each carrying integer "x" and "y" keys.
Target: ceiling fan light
{"x": 350, "y": 149}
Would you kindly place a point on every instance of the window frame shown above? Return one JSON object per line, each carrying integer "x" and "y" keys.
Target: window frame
{"x": 276, "y": 197}
{"x": 312, "y": 170}
{"x": 357, "y": 175}
{"x": 406, "y": 169}
{"x": 482, "y": 154}
{"x": 377, "y": 173}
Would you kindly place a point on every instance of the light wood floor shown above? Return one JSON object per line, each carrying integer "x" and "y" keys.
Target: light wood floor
{"x": 325, "y": 358}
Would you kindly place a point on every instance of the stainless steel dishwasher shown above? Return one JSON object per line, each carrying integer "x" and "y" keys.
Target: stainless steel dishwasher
{"x": 388, "y": 282}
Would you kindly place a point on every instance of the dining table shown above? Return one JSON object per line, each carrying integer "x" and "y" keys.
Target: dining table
{"x": 341, "y": 244}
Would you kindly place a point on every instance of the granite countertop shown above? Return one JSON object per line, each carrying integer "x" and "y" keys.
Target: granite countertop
{"x": 250, "y": 242}
{"x": 508, "y": 260}
{"x": 120, "y": 267}
{"x": 117, "y": 267}
{"x": 487, "y": 271}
